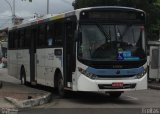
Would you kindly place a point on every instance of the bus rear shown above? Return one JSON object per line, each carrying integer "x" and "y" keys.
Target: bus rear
{"x": 111, "y": 51}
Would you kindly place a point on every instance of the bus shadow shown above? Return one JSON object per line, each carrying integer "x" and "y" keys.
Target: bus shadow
{"x": 88, "y": 97}
{"x": 96, "y": 98}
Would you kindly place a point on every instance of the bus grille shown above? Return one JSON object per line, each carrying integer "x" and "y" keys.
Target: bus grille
{"x": 115, "y": 76}
{"x": 109, "y": 86}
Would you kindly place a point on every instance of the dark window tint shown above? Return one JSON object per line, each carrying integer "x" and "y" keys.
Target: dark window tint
{"x": 42, "y": 36}
{"x": 59, "y": 33}
{"x": 11, "y": 40}
{"x": 50, "y": 35}
{"x": 21, "y": 39}
{"x": 16, "y": 39}
{"x": 27, "y": 38}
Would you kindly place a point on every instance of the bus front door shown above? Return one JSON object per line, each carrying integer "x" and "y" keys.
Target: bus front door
{"x": 69, "y": 53}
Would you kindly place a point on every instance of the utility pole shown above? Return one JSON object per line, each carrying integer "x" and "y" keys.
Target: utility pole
{"x": 13, "y": 13}
{"x": 47, "y": 6}
{"x": 12, "y": 7}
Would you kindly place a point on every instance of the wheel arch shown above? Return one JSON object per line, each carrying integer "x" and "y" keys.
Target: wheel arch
{"x": 57, "y": 71}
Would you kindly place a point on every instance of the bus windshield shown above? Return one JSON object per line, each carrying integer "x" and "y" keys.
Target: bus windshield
{"x": 103, "y": 42}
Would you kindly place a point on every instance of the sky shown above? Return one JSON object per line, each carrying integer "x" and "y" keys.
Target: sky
{"x": 26, "y": 9}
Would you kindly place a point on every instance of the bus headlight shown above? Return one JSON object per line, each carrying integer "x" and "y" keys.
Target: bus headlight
{"x": 84, "y": 72}
{"x": 140, "y": 75}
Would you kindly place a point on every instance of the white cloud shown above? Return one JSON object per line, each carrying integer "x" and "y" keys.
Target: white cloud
{"x": 24, "y": 14}
{"x": 5, "y": 14}
{"x": 5, "y": 18}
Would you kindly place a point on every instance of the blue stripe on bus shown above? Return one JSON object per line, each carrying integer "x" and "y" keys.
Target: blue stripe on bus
{"x": 118, "y": 72}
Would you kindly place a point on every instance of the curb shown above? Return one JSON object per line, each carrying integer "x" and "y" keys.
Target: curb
{"x": 154, "y": 87}
{"x": 29, "y": 103}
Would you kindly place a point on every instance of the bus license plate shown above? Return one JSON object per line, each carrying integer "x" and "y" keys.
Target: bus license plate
{"x": 117, "y": 84}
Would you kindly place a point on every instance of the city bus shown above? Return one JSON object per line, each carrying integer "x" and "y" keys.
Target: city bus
{"x": 94, "y": 49}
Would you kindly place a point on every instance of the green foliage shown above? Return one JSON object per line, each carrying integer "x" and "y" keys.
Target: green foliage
{"x": 151, "y": 7}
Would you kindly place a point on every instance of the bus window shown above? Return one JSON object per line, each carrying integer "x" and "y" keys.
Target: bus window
{"x": 59, "y": 33}
{"x": 42, "y": 36}
{"x": 50, "y": 35}
{"x": 16, "y": 39}
{"x": 27, "y": 38}
{"x": 21, "y": 39}
{"x": 10, "y": 40}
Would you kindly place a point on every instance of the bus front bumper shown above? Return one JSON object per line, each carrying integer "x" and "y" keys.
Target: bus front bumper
{"x": 87, "y": 84}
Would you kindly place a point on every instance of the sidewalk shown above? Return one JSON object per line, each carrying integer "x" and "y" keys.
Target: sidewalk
{"x": 154, "y": 85}
{"x": 14, "y": 95}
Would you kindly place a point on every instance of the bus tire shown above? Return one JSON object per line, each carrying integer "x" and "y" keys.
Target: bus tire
{"x": 115, "y": 94}
{"x": 23, "y": 77}
{"x": 61, "y": 91}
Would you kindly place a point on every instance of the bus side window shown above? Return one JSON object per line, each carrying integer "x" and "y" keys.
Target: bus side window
{"x": 58, "y": 33}
{"x": 22, "y": 37}
{"x": 27, "y": 38}
{"x": 42, "y": 36}
{"x": 10, "y": 40}
{"x": 50, "y": 35}
{"x": 16, "y": 39}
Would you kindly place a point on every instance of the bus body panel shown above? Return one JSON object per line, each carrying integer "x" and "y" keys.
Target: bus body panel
{"x": 92, "y": 85}
{"x": 40, "y": 66}
{"x": 12, "y": 63}
{"x": 47, "y": 63}
{"x": 17, "y": 59}
{"x": 83, "y": 83}
{"x": 24, "y": 61}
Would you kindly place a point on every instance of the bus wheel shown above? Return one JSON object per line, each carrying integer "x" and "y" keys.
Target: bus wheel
{"x": 61, "y": 90}
{"x": 115, "y": 94}
{"x": 23, "y": 77}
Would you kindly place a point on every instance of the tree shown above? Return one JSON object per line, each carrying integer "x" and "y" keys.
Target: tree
{"x": 151, "y": 7}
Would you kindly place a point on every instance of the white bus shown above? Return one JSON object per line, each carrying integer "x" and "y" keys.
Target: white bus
{"x": 96, "y": 49}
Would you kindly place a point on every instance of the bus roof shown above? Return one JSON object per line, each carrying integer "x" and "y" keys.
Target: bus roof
{"x": 112, "y": 7}
{"x": 43, "y": 19}
{"x": 51, "y": 17}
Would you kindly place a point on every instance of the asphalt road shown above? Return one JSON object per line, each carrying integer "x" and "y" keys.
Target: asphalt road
{"x": 137, "y": 102}
{"x": 84, "y": 111}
